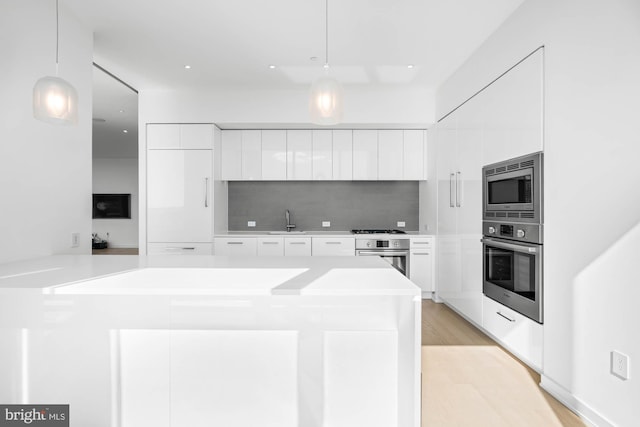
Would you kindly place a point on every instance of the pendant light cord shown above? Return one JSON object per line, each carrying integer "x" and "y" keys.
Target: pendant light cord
{"x": 326, "y": 33}
{"x": 57, "y": 36}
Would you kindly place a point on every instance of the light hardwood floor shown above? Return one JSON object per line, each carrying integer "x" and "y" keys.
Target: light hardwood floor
{"x": 115, "y": 251}
{"x": 469, "y": 380}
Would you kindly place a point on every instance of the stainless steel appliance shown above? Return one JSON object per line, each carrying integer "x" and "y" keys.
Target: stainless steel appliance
{"x": 513, "y": 234}
{"x": 394, "y": 251}
{"x": 512, "y": 266}
{"x": 512, "y": 190}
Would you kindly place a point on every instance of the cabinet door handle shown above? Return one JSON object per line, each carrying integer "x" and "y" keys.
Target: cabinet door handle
{"x": 421, "y": 243}
{"x": 235, "y": 243}
{"x": 206, "y": 192}
{"x": 502, "y": 315}
{"x": 269, "y": 243}
{"x": 333, "y": 243}
{"x": 176, "y": 248}
{"x": 458, "y": 189}
{"x": 421, "y": 253}
{"x": 451, "y": 190}
{"x": 297, "y": 243}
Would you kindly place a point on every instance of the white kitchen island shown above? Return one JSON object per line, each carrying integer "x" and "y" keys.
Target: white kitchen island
{"x": 212, "y": 341}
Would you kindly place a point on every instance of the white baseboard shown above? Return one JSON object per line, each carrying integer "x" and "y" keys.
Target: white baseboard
{"x": 584, "y": 411}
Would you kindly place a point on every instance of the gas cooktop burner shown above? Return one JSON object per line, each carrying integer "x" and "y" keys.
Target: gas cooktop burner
{"x": 377, "y": 231}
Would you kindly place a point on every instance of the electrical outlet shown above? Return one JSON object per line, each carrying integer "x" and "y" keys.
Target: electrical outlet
{"x": 401, "y": 224}
{"x": 620, "y": 365}
{"x": 75, "y": 240}
{"x": 326, "y": 223}
{"x": 251, "y": 223}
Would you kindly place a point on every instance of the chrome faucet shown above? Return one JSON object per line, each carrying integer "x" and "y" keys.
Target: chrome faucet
{"x": 287, "y": 216}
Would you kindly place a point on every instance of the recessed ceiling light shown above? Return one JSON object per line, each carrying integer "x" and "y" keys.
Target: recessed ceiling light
{"x": 410, "y": 66}
{"x": 187, "y": 67}
{"x": 125, "y": 131}
{"x": 122, "y": 111}
{"x": 272, "y": 66}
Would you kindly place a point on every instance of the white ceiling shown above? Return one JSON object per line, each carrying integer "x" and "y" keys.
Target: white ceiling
{"x": 231, "y": 43}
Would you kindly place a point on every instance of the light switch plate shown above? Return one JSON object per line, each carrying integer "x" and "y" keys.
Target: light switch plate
{"x": 401, "y": 224}
{"x": 326, "y": 223}
{"x": 251, "y": 223}
{"x": 75, "y": 240}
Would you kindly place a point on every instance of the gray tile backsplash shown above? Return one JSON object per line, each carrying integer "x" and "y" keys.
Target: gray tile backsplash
{"x": 347, "y": 204}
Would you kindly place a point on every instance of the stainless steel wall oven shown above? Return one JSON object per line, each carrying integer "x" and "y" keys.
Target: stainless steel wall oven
{"x": 513, "y": 234}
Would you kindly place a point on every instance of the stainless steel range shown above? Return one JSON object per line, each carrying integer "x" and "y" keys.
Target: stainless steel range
{"x": 393, "y": 250}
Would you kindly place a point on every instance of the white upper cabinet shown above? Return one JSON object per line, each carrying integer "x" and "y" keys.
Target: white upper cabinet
{"x": 365, "y": 155}
{"x": 163, "y": 136}
{"x": 415, "y": 155}
{"x": 322, "y": 154}
{"x": 196, "y": 137}
{"x": 299, "y": 149}
{"x": 342, "y": 155}
{"x": 390, "y": 155}
{"x": 231, "y": 141}
{"x": 179, "y": 136}
{"x": 251, "y": 155}
{"x": 512, "y": 112}
{"x": 274, "y": 155}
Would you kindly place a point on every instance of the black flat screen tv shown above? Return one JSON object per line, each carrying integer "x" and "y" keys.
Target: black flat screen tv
{"x": 111, "y": 206}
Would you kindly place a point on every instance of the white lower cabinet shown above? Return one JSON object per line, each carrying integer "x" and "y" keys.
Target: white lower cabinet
{"x": 297, "y": 246}
{"x": 247, "y": 246}
{"x": 519, "y": 334}
{"x": 270, "y": 246}
{"x": 179, "y": 248}
{"x": 333, "y": 246}
{"x": 421, "y": 257}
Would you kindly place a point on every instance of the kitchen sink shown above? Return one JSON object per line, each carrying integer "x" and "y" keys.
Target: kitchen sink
{"x": 285, "y": 233}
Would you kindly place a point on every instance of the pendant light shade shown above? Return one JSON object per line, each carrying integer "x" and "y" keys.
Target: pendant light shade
{"x": 55, "y": 101}
{"x": 325, "y": 100}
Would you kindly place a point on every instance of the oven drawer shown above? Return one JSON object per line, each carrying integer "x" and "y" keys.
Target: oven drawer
{"x": 517, "y": 333}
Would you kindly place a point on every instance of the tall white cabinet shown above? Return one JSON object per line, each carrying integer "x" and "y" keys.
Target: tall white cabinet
{"x": 502, "y": 121}
{"x": 180, "y": 188}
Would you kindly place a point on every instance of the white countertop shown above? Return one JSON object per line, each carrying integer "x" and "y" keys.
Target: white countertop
{"x": 205, "y": 275}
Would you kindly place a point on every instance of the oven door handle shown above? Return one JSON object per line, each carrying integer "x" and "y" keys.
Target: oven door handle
{"x": 384, "y": 253}
{"x": 512, "y": 246}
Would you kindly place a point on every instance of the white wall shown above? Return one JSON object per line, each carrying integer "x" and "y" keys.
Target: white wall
{"x": 592, "y": 207}
{"x": 117, "y": 176}
{"x": 363, "y": 105}
{"x": 45, "y": 170}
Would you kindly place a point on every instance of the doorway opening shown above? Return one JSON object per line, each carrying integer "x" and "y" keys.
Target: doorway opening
{"x": 115, "y": 165}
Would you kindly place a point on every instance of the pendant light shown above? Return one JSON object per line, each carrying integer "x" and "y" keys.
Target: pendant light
{"x": 325, "y": 102}
{"x": 54, "y": 99}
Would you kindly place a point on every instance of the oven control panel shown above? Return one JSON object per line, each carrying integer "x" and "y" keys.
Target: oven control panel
{"x": 531, "y": 233}
{"x": 382, "y": 244}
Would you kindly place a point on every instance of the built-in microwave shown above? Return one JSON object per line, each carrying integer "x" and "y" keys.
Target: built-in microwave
{"x": 512, "y": 190}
